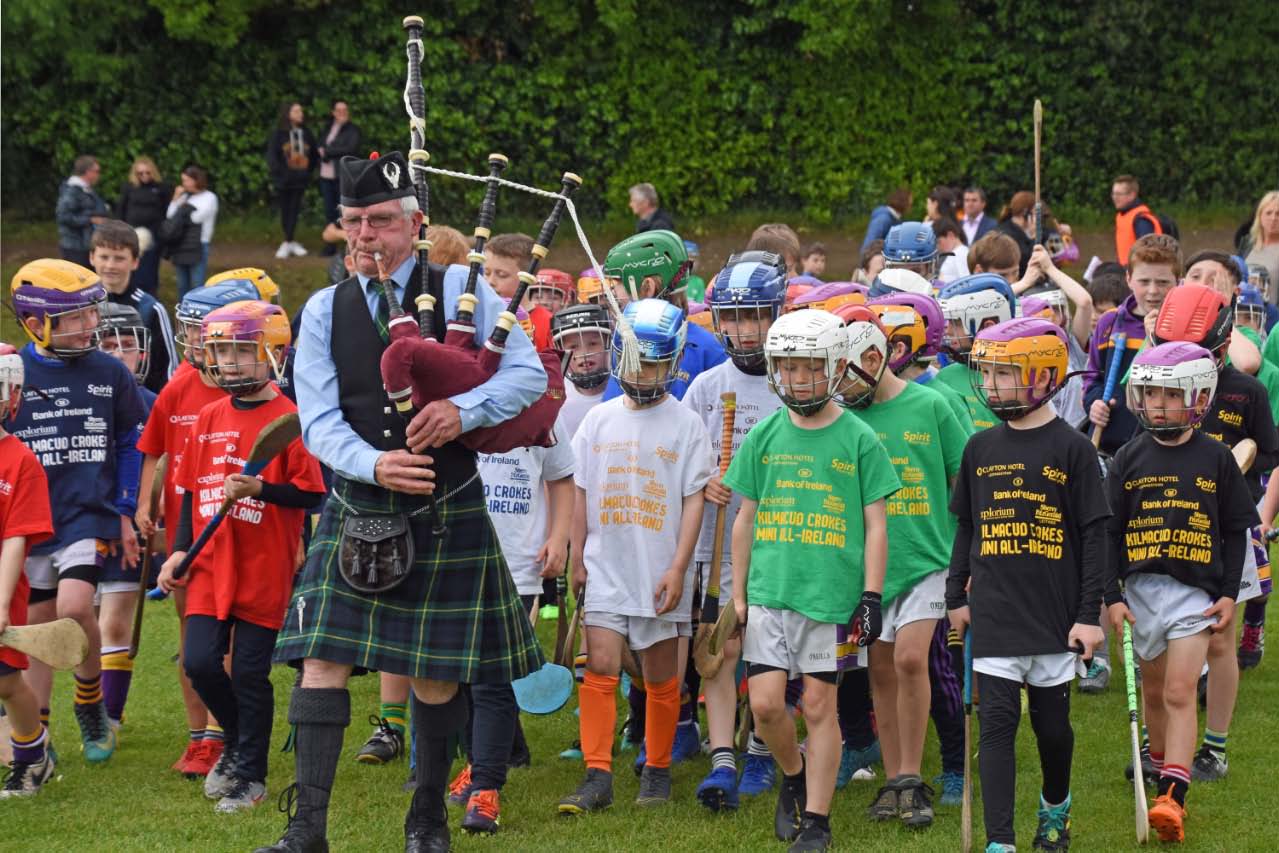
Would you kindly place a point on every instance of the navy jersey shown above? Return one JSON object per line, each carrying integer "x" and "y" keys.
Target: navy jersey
{"x": 84, "y": 435}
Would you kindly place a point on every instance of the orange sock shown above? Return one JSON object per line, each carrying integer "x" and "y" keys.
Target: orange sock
{"x": 597, "y": 700}
{"x": 661, "y": 713}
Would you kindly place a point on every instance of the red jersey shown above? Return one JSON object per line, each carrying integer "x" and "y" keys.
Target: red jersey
{"x": 541, "y": 328}
{"x": 24, "y": 511}
{"x": 246, "y": 570}
{"x": 172, "y": 415}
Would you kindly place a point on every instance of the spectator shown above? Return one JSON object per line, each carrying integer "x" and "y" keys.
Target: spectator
{"x": 813, "y": 260}
{"x": 976, "y": 223}
{"x": 1017, "y": 220}
{"x": 188, "y": 228}
{"x": 448, "y": 245}
{"x": 950, "y": 245}
{"x": 79, "y": 209}
{"x": 1133, "y": 220}
{"x": 884, "y": 217}
{"x": 644, "y": 204}
{"x": 143, "y": 203}
{"x": 291, "y": 156}
{"x": 780, "y": 239}
{"x": 1108, "y": 288}
{"x": 1264, "y": 243}
{"x": 870, "y": 263}
{"x": 941, "y": 204}
{"x": 340, "y": 140}
{"x": 996, "y": 253}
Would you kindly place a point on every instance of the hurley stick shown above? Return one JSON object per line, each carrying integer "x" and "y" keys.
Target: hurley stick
{"x": 966, "y": 806}
{"x": 1245, "y": 453}
{"x": 61, "y": 644}
{"x": 1118, "y": 343}
{"x": 1138, "y": 777}
{"x": 270, "y": 443}
{"x": 708, "y": 654}
{"x": 157, "y": 490}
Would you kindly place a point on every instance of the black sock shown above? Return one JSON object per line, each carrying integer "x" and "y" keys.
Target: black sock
{"x": 796, "y": 781}
{"x": 321, "y": 715}
{"x": 821, "y": 820}
{"x": 434, "y": 726}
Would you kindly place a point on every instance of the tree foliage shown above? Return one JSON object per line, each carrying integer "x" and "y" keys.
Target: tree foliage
{"x": 819, "y": 106}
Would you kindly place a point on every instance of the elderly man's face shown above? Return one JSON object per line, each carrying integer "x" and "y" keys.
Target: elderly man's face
{"x": 383, "y": 229}
{"x": 640, "y": 206}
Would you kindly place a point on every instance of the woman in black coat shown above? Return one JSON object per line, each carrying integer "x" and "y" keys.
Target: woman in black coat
{"x": 292, "y": 157}
{"x": 340, "y": 139}
{"x": 143, "y": 202}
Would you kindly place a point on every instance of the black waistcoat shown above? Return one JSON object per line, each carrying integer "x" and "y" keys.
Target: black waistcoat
{"x": 357, "y": 355}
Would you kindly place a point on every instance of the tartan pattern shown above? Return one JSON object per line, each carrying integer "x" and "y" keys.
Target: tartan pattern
{"x": 383, "y": 317}
{"x": 456, "y": 617}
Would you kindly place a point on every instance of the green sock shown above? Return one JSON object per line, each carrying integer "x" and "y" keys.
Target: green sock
{"x": 1216, "y": 741}
{"x": 396, "y": 715}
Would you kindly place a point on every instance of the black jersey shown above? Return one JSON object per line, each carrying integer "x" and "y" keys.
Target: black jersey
{"x": 1023, "y": 499}
{"x": 1241, "y": 409}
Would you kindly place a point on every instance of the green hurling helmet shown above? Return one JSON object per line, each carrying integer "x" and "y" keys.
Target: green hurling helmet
{"x": 659, "y": 253}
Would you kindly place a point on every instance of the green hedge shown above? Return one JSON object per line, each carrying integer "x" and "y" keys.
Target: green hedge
{"x": 817, "y": 107}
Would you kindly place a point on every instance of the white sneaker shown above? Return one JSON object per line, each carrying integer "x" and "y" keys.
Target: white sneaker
{"x": 242, "y": 795}
{"x": 283, "y": 251}
{"x": 297, "y": 249}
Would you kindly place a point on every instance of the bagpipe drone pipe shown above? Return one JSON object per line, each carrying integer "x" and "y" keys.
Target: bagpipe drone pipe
{"x": 417, "y": 369}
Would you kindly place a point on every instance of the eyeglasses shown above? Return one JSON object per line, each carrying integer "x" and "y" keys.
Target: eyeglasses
{"x": 376, "y": 221}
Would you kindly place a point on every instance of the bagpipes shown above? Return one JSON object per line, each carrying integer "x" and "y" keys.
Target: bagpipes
{"x": 417, "y": 369}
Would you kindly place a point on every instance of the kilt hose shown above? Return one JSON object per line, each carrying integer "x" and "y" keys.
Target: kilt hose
{"x": 456, "y": 617}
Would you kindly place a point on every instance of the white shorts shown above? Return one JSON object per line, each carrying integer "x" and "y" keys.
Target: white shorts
{"x": 1035, "y": 670}
{"x": 1250, "y": 580}
{"x": 791, "y": 642}
{"x": 925, "y": 600}
{"x": 110, "y": 587}
{"x": 640, "y": 632}
{"x": 1165, "y": 609}
{"x": 43, "y": 570}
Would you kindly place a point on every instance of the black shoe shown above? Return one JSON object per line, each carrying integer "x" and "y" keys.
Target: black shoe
{"x": 791, "y": 800}
{"x": 384, "y": 746}
{"x": 1148, "y": 770}
{"x": 594, "y": 794}
{"x": 811, "y": 837}
{"x": 914, "y": 802}
{"x": 421, "y": 839}
{"x": 298, "y": 835}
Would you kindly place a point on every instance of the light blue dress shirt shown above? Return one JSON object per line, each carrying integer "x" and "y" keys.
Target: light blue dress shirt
{"x": 518, "y": 382}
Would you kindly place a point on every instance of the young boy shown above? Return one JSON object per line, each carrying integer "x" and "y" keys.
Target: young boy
{"x": 554, "y": 289}
{"x": 113, "y": 251}
{"x": 809, "y": 473}
{"x": 83, "y": 432}
{"x": 121, "y": 335}
{"x": 745, "y": 301}
{"x": 813, "y": 260}
{"x": 1031, "y": 540}
{"x": 505, "y": 257}
{"x": 912, "y": 246}
{"x": 25, "y": 520}
{"x": 1180, "y": 560}
{"x": 970, "y": 305}
{"x": 1195, "y": 313}
{"x": 925, "y": 442}
{"x": 582, "y": 333}
{"x": 530, "y": 496}
{"x": 641, "y": 463}
{"x": 1154, "y": 266}
{"x": 172, "y": 415}
{"x": 241, "y": 581}
{"x": 695, "y": 291}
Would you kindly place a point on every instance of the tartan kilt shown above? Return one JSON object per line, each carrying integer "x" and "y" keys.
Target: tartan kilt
{"x": 456, "y": 617}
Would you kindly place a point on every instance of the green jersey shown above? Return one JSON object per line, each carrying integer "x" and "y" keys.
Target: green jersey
{"x": 811, "y": 486}
{"x": 953, "y": 398}
{"x": 1268, "y": 374}
{"x": 925, "y": 443}
{"x": 956, "y": 376}
{"x": 695, "y": 289}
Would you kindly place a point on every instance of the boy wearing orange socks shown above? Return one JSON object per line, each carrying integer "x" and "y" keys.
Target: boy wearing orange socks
{"x": 642, "y": 460}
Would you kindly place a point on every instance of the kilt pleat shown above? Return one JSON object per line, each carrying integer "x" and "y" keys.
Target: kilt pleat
{"x": 456, "y": 617}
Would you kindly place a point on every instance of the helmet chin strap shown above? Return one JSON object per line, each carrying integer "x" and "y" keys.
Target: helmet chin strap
{"x": 752, "y": 365}
{"x": 865, "y": 398}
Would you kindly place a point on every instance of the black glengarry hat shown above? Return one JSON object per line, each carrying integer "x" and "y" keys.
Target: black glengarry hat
{"x": 367, "y": 182}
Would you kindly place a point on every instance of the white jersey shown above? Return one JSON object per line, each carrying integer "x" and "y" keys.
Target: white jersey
{"x": 755, "y": 401}
{"x": 1068, "y": 403}
{"x": 576, "y": 405}
{"x": 515, "y": 493}
{"x": 955, "y": 265}
{"x": 636, "y": 467}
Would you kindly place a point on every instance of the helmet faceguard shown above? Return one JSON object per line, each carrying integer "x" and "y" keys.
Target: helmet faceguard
{"x": 245, "y": 345}
{"x": 1050, "y": 299}
{"x": 745, "y": 300}
{"x": 553, "y": 290}
{"x": 196, "y": 305}
{"x": 865, "y": 334}
{"x": 1250, "y": 309}
{"x": 64, "y": 299}
{"x": 914, "y": 320}
{"x": 660, "y": 330}
{"x": 1171, "y": 388}
{"x": 122, "y": 334}
{"x": 807, "y": 354}
{"x": 583, "y": 333}
{"x": 1011, "y": 359}
{"x": 968, "y": 305}
{"x": 12, "y": 373}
